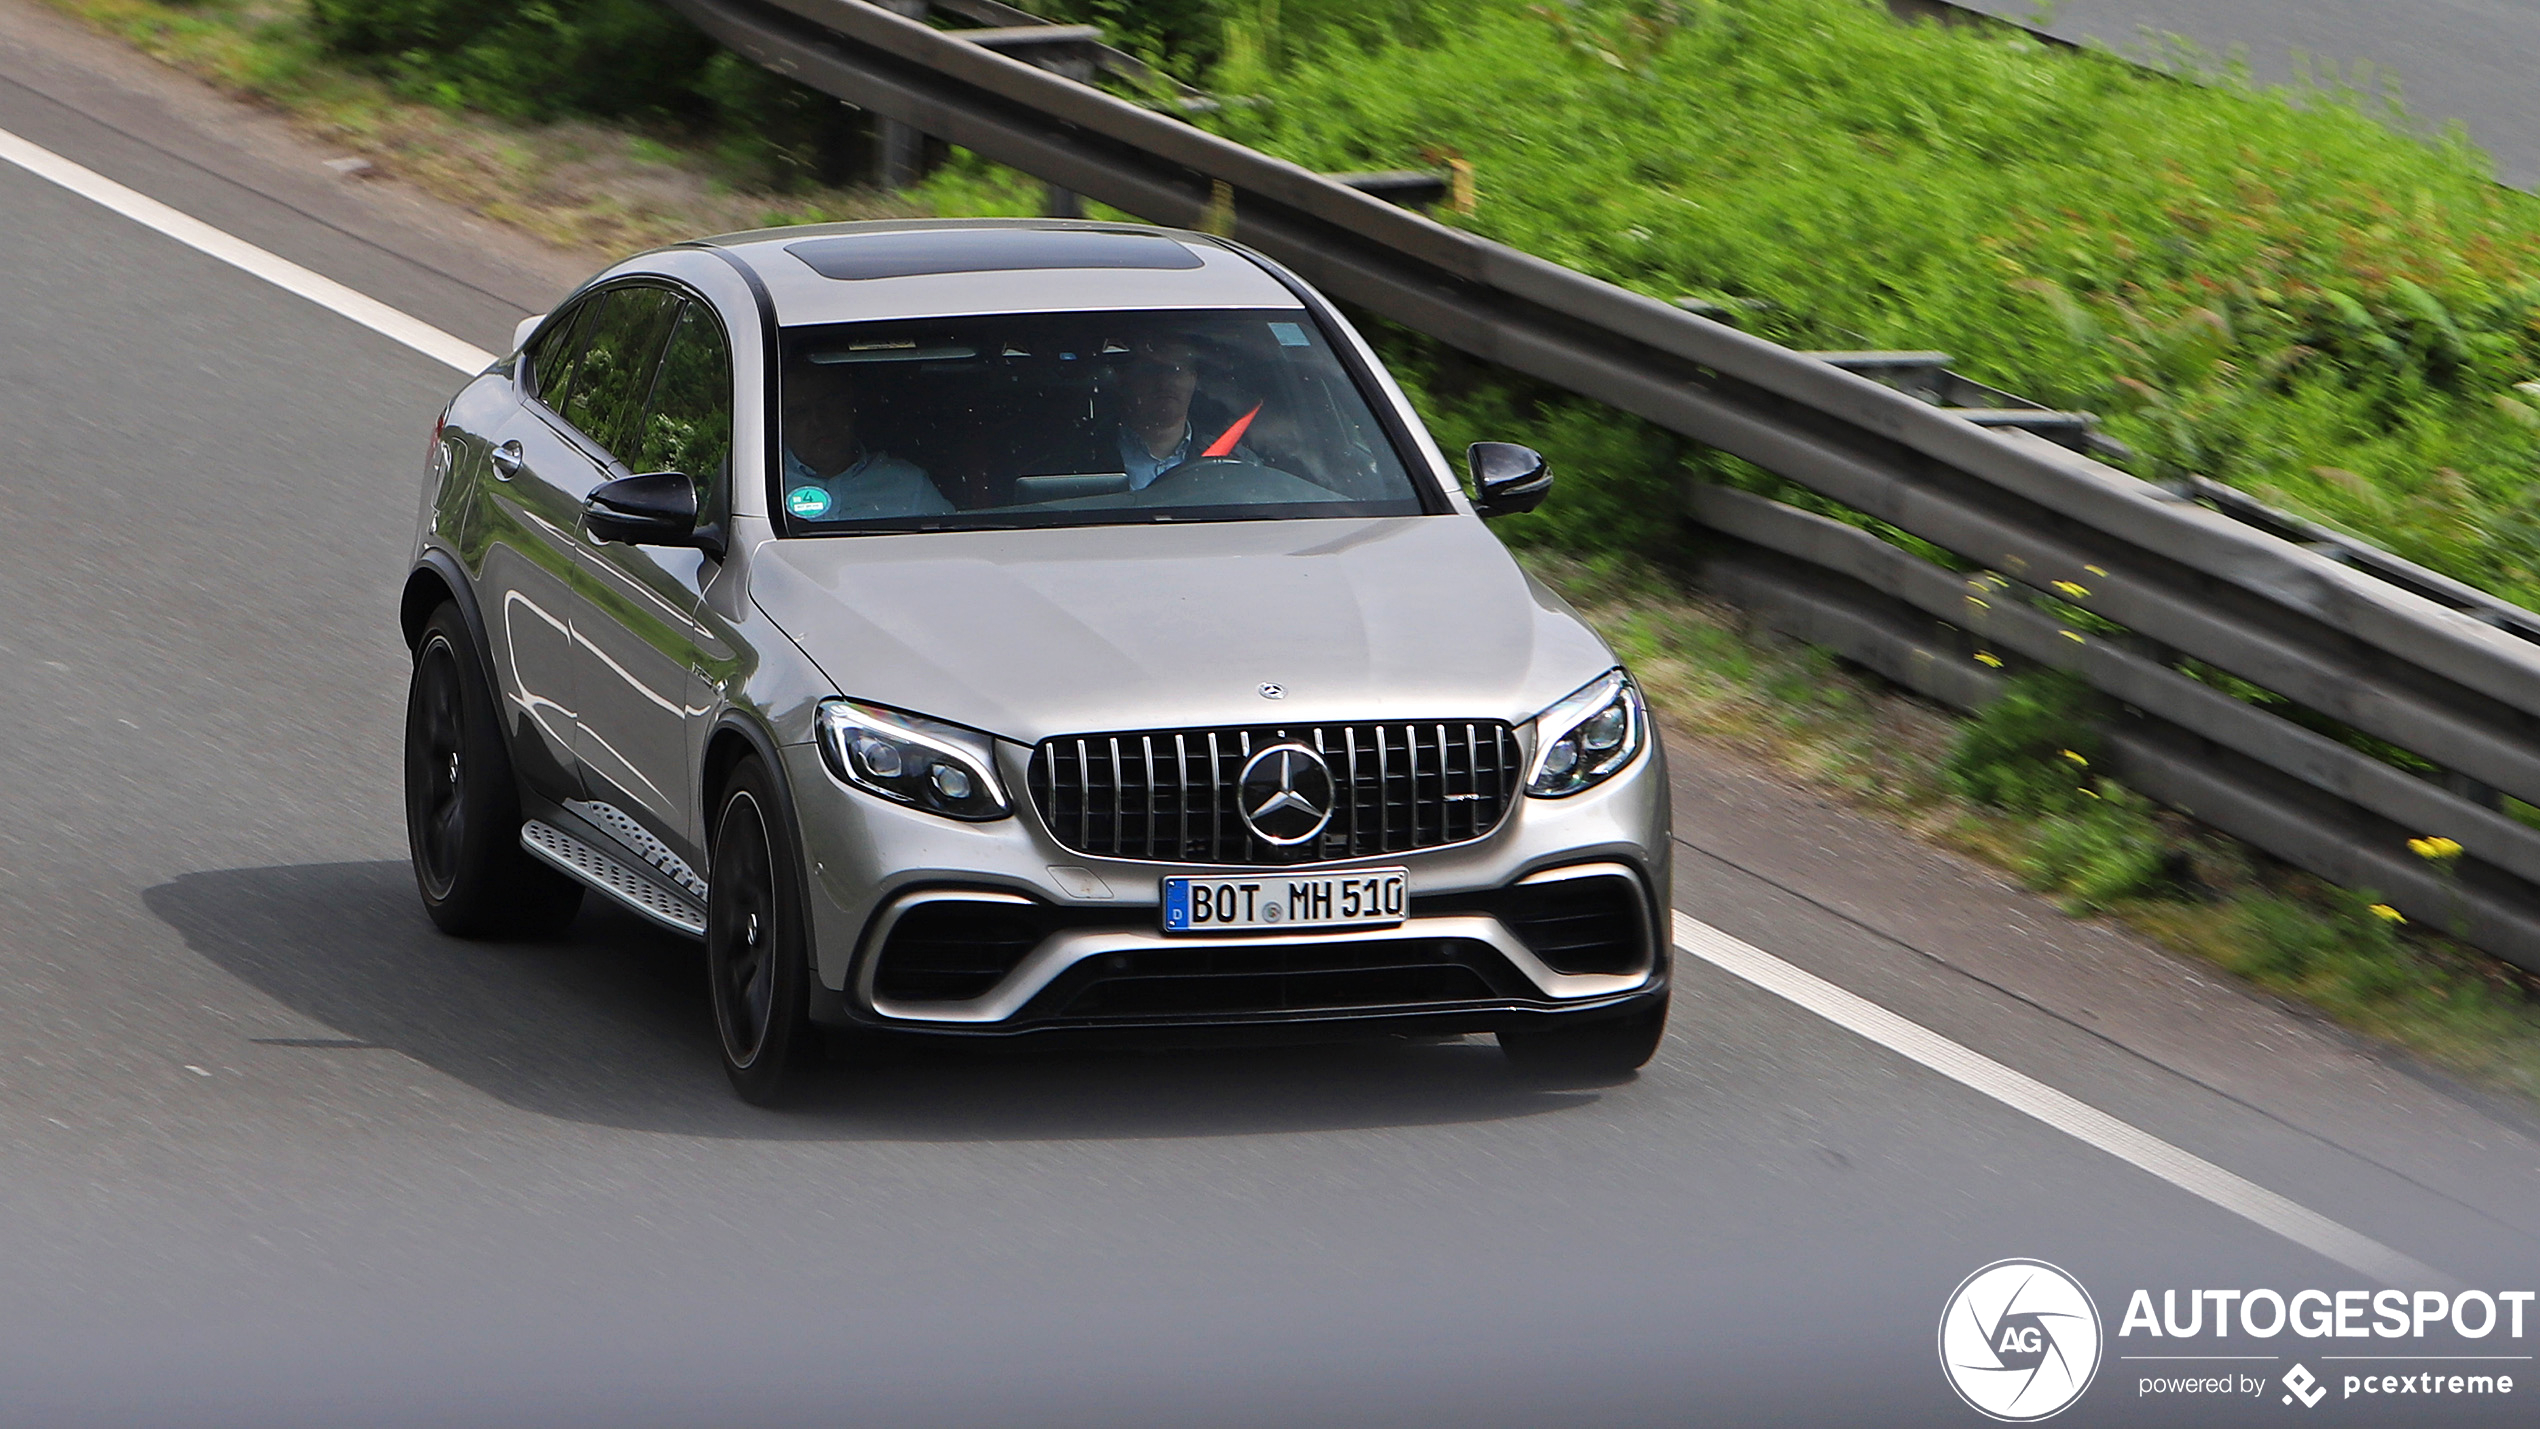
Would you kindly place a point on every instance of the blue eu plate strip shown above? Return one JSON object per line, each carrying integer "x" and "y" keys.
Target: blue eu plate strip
{"x": 1177, "y": 905}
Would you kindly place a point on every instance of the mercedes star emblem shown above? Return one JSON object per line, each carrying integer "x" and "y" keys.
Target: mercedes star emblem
{"x": 1285, "y": 794}
{"x": 1274, "y": 692}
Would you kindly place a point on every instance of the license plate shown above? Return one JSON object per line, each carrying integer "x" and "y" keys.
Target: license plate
{"x": 1368, "y": 897}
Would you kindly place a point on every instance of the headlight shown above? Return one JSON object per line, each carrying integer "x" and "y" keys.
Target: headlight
{"x": 1585, "y": 738}
{"x": 909, "y": 759}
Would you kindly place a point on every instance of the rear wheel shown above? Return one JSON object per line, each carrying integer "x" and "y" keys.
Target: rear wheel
{"x": 1605, "y": 1049}
{"x": 757, "y": 948}
{"x": 462, "y": 808}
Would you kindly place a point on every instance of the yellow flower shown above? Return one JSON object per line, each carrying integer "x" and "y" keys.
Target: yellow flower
{"x": 2436, "y": 849}
{"x": 1989, "y": 658}
{"x": 2388, "y": 914}
{"x": 2075, "y": 758}
{"x": 2070, "y": 589}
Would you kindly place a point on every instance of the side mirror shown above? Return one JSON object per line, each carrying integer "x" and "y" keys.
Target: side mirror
{"x": 1507, "y": 478}
{"x": 656, "y": 509}
{"x": 522, "y": 329}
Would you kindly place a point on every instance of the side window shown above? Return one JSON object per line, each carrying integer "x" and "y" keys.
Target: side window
{"x": 607, "y": 390}
{"x": 687, "y": 426}
{"x": 552, "y": 351}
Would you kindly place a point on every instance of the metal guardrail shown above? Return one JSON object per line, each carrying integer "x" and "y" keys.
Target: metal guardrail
{"x": 2367, "y": 644}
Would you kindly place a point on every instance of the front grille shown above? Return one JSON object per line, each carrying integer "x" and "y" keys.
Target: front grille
{"x": 1169, "y": 795}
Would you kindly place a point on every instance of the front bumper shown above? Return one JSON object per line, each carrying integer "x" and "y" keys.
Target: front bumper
{"x": 923, "y": 924}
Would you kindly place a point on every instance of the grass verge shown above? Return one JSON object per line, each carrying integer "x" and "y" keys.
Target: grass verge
{"x": 604, "y": 188}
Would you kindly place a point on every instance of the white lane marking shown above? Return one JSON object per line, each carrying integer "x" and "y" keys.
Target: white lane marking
{"x": 371, "y": 313}
{"x": 2020, "y": 1092}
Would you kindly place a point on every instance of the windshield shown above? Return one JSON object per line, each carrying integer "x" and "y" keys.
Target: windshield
{"x": 1048, "y": 419}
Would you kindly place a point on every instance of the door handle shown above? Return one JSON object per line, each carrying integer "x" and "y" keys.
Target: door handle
{"x": 507, "y": 460}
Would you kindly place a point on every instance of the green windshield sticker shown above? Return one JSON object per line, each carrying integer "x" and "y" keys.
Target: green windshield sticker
{"x": 807, "y": 501}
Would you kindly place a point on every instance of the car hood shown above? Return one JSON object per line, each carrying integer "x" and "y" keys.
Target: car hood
{"x": 1029, "y": 634}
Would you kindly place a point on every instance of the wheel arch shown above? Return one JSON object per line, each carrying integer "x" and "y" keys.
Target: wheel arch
{"x": 438, "y": 578}
{"x": 735, "y": 738}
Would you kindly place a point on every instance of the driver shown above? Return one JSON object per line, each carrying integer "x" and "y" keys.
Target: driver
{"x": 1155, "y": 412}
{"x": 829, "y": 474}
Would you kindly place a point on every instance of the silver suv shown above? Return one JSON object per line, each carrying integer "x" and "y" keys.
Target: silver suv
{"x": 995, "y": 629}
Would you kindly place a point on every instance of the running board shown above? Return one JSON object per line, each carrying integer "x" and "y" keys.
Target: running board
{"x": 613, "y": 876}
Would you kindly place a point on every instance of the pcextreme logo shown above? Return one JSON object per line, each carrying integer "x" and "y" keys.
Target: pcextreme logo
{"x": 2019, "y": 1340}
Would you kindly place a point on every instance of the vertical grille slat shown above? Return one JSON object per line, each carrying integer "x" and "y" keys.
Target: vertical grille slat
{"x": 1399, "y": 786}
{"x": 1182, "y": 816}
{"x": 1216, "y": 803}
{"x": 1349, "y": 737}
{"x": 1147, "y": 819}
{"x": 1084, "y": 797}
{"x": 1384, "y": 796}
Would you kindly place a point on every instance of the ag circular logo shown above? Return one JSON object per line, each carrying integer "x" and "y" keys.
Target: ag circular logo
{"x": 1285, "y": 794}
{"x": 2019, "y": 1340}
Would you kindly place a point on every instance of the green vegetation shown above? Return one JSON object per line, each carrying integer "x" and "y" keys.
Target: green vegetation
{"x": 616, "y": 59}
{"x": 716, "y": 156}
{"x": 2273, "y": 289}
{"x": 2278, "y": 290}
{"x": 2024, "y": 766}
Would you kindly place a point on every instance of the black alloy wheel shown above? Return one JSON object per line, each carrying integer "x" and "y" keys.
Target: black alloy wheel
{"x": 462, "y": 809}
{"x": 436, "y": 763}
{"x": 757, "y": 955}
{"x": 1604, "y": 1049}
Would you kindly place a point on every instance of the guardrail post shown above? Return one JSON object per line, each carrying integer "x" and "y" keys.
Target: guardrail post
{"x": 899, "y": 150}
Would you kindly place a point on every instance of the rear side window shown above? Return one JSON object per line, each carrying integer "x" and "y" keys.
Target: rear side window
{"x": 552, "y": 351}
{"x": 687, "y": 427}
{"x": 609, "y": 381}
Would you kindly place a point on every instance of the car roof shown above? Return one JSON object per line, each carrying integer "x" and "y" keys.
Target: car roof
{"x": 858, "y": 272}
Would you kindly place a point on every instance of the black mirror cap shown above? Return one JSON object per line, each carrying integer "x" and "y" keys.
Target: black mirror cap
{"x": 1507, "y": 478}
{"x": 658, "y": 508}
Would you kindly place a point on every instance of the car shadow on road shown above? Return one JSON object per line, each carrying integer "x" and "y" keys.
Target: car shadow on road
{"x": 608, "y": 1025}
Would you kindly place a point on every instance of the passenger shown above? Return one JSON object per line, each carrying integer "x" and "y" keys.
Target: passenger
{"x": 829, "y": 474}
{"x": 1155, "y": 432}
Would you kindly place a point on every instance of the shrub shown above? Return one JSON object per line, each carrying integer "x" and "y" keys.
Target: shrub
{"x": 2031, "y": 750}
{"x": 606, "y": 58}
{"x": 2104, "y": 849}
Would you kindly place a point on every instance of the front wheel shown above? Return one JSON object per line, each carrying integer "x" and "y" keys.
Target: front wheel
{"x": 757, "y": 948}
{"x": 1605, "y": 1049}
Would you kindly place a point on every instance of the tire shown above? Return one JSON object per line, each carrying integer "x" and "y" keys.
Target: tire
{"x": 758, "y": 945}
{"x": 462, "y": 806}
{"x": 1606, "y": 1049}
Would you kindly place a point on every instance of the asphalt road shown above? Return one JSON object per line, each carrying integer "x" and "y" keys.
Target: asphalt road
{"x": 2451, "y": 61}
{"x": 274, "y": 1152}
